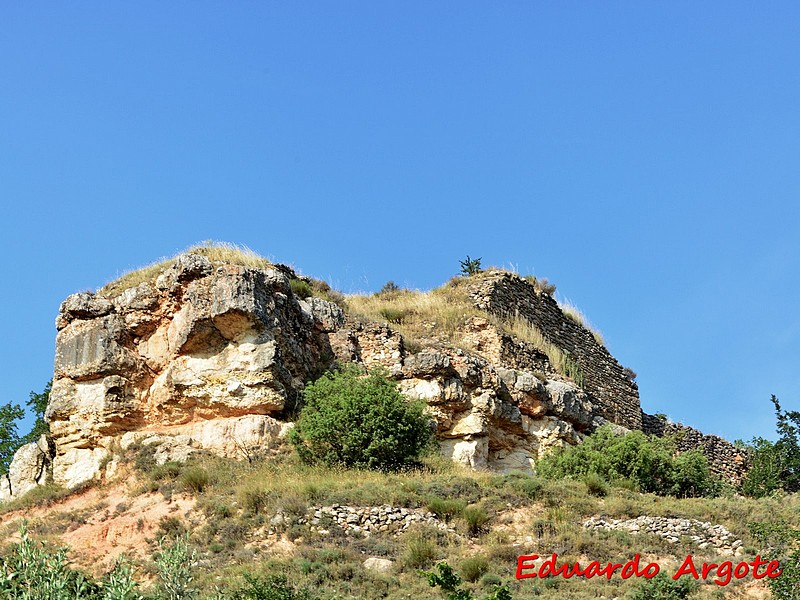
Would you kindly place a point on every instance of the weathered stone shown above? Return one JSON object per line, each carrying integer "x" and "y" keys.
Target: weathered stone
{"x": 27, "y": 470}
{"x": 379, "y": 565}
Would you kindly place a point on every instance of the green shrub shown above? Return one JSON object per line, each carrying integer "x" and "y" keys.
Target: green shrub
{"x": 300, "y": 288}
{"x": 470, "y": 266}
{"x": 476, "y": 519}
{"x": 354, "y": 421}
{"x": 776, "y": 465}
{"x": 174, "y": 562}
{"x": 663, "y": 587}
{"x": 782, "y": 543}
{"x": 446, "y": 509}
{"x": 649, "y": 462}
{"x": 596, "y": 485}
{"x": 389, "y": 288}
{"x": 195, "y": 479}
{"x": 450, "y": 583}
{"x": 473, "y": 567}
{"x": 272, "y": 587}
{"x": 420, "y": 549}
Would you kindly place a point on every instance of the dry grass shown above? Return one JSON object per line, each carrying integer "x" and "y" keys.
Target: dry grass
{"x": 574, "y": 313}
{"x": 217, "y": 252}
{"x": 442, "y": 313}
{"x": 418, "y": 315}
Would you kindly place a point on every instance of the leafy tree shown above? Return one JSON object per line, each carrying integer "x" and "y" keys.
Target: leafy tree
{"x": 470, "y": 266}
{"x": 782, "y": 543}
{"x": 776, "y": 465}
{"x": 38, "y": 403}
{"x": 9, "y": 439}
{"x": 355, "y": 421}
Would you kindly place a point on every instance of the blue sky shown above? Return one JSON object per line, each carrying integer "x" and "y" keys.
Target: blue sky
{"x": 642, "y": 156}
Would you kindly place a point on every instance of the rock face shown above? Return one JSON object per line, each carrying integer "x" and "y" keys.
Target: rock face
{"x": 28, "y": 469}
{"x": 214, "y": 357}
{"x": 211, "y": 353}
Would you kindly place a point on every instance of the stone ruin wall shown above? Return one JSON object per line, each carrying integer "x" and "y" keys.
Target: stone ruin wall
{"x": 725, "y": 459}
{"x": 616, "y": 395}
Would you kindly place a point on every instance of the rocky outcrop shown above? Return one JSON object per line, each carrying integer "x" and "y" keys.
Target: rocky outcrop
{"x": 207, "y": 356}
{"x": 29, "y": 468}
{"x": 214, "y": 353}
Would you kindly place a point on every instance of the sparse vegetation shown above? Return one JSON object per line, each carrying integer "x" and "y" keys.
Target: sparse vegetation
{"x": 576, "y": 315}
{"x": 300, "y": 288}
{"x": 216, "y": 252}
{"x": 470, "y": 266}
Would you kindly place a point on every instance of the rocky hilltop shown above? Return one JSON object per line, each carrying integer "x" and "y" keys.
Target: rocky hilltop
{"x": 211, "y": 353}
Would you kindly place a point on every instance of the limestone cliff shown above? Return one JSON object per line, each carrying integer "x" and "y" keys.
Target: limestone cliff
{"x": 214, "y": 355}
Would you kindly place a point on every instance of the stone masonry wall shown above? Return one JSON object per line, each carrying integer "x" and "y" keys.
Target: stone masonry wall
{"x": 725, "y": 459}
{"x": 508, "y": 295}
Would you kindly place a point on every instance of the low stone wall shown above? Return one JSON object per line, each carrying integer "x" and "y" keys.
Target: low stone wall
{"x": 366, "y": 520}
{"x": 702, "y": 534}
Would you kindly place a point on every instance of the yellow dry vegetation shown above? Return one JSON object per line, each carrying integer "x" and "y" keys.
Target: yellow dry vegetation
{"x": 441, "y": 313}
{"x": 217, "y": 252}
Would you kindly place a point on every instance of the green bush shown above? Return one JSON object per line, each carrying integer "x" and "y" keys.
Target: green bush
{"x": 476, "y": 519}
{"x": 470, "y": 266}
{"x": 782, "y": 543}
{"x": 663, "y": 587}
{"x": 195, "y": 479}
{"x": 776, "y": 465}
{"x": 273, "y": 587}
{"x": 359, "y": 421}
{"x": 174, "y": 562}
{"x": 301, "y": 289}
{"x": 649, "y": 462}
{"x": 473, "y": 567}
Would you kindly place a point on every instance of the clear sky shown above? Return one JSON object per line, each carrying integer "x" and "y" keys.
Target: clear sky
{"x": 642, "y": 156}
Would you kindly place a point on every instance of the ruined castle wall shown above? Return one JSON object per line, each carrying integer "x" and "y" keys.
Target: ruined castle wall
{"x": 508, "y": 295}
{"x": 725, "y": 459}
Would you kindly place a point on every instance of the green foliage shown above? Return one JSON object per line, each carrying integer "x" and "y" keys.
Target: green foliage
{"x": 470, "y": 266}
{"x": 38, "y": 403}
{"x": 32, "y": 572}
{"x": 764, "y": 476}
{"x": 195, "y": 479}
{"x": 390, "y": 287}
{"x": 473, "y": 567}
{"x": 776, "y": 465}
{"x": 300, "y": 288}
{"x": 782, "y": 543}
{"x": 393, "y": 315}
{"x": 446, "y": 509}
{"x": 174, "y": 562}
{"x": 119, "y": 583}
{"x": 663, "y": 587}
{"x": 476, "y": 519}
{"x": 647, "y": 461}
{"x": 365, "y": 422}
{"x": 450, "y": 583}
{"x": 272, "y": 587}
{"x": 596, "y": 485}
{"x": 9, "y": 439}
